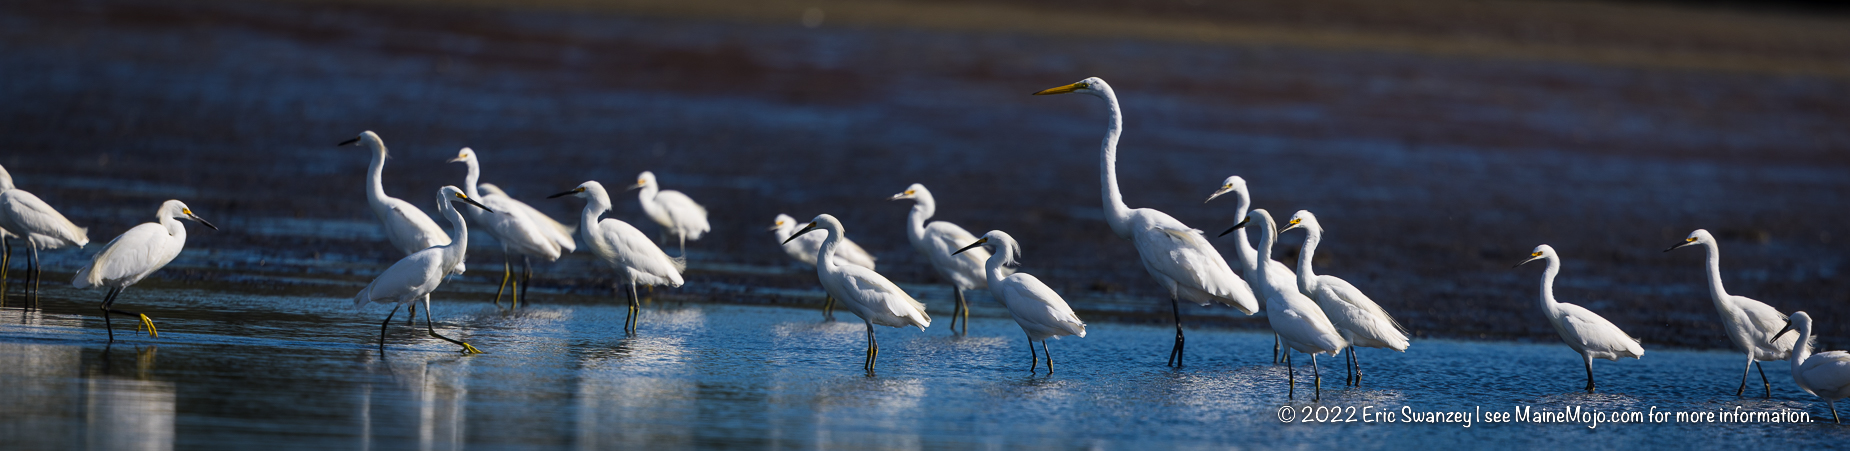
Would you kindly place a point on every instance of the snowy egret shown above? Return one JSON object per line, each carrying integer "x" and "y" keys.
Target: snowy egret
{"x": 557, "y": 231}
{"x": 865, "y": 292}
{"x": 24, "y": 216}
{"x": 1179, "y": 257}
{"x": 804, "y": 250}
{"x": 415, "y": 276}
{"x": 1825, "y": 374}
{"x": 623, "y": 248}
{"x": 1589, "y": 334}
{"x": 678, "y": 214}
{"x": 938, "y": 242}
{"x": 408, "y": 228}
{"x": 134, "y": 255}
{"x": 1280, "y": 274}
{"x": 1295, "y": 317}
{"x": 1039, "y": 311}
{"x": 1361, "y": 321}
{"x": 518, "y": 233}
{"x": 1749, "y": 324}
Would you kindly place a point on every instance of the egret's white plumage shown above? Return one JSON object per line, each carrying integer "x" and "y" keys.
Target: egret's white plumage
{"x": 1589, "y": 334}
{"x": 414, "y": 277}
{"x": 24, "y": 216}
{"x": 518, "y": 233}
{"x": 938, "y": 241}
{"x": 1298, "y": 320}
{"x": 623, "y": 247}
{"x": 678, "y": 214}
{"x": 407, "y": 227}
{"x": 866, "y": 293}
{"x": 1039, "y": 310}
{"x": 1248, "y": 260}
{"x": 1825, "y": 374}
{"x": 1363, "y": 322}
{"x": 1179, "y": 257}
{"x": 558, "y": 232}
{"x": 134, "y": 255}
{"x": 1749, "y": 324}
{"x": 804, "y": 248}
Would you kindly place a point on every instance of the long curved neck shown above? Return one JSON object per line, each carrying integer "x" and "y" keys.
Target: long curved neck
{"x": 375, "y": 188}
{"x": 595, "y": 205}
{"x": 1312, "y": 236}
{"x": 1548, "y": 283}
{"x": 1715, "y": 275}
{"x": 469, "y": 181}
{"x": 1116, "y": 213}
{"x": 459, "y": 235}
{"x": 1802, "y": 349}
{"x": 1266, "y": 239}
{"x": 173, "y": 226}
{"x": 1244, "y": 250}
{"x": 825, "y": 255}
{"x": 993, "y": 268}
{"x": 922, "y": 210}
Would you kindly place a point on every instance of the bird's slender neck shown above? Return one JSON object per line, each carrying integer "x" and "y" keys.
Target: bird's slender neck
{"x": 993, "y": 268}
{"x": 1117, "y": 215}
{"x": 1548, "y": 283}
{"x": 596, "y": 203}
{"x": 459, "y": 233}
{"x": 923, "y": 208}
{"x": 375, "y": 188}
{"x": 1266, "y": 239}
{"x": 1715, "y": 274}
{"x": 1801, "y": 350}
{"x": 1244, "y": 250}
{"x": 469, "y": 181}
{"x": 1312, "y": 235}
{"x": 825, "y": 255}
{"x": 171, "y": 222}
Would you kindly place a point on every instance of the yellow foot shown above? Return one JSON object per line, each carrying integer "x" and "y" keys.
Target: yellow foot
{"x": 149, "y": 324}
{"x": 467, "y": 349}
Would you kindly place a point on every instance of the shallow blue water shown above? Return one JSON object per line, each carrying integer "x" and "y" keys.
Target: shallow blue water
{"x": 235, "y": 371}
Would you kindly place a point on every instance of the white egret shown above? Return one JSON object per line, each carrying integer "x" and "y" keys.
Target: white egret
{"x": 1749, "y": 324}
{"x": 678, "y": 214}
{"x": 804, "y": 250}
{"x": 1039, "y": 311}
{"x": 415, "y": 276}
{"x": 866, "y": 293}
{"x": 134, "y": 255}
{"x": 518, "y": 233}
{"x": 623, "y": 247}
{"x": 24, "y": 216}
{"x": 1179, "y": 257}
{"x": 557, "y": 231}
{"x": 1279, "y": 274}
{"x": 1296, "y": 318}
{"x": 1361, "y": 321}
{"x": 1589, "y": 334}
{"x": 938, "y": 242}
{"x": 407, "y": 227}
{"x": 1825, "y": 374}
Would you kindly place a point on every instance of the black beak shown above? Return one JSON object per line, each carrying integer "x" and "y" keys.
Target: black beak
{"x": 979, "y": 242}
{"x": 1783, "y": 331}
{"x": 477, "y": 205}
{"x": 567, "y": 193}
{"x": 1679, "y": 245}
{"x": 203, "y": 221}
{"x": 812, "y": 226}
{"x": 1236, "y": 226}
{"x": 1525, "y": 262}
{"x": 348, "y": 142}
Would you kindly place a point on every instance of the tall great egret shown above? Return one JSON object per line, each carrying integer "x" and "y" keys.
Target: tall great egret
{"x": 518, "y": 233}
{"x": 1589, "y": 334}
{"x": 134, "y": 255}
{"x": 1825, "y": 374}
{"x": 1361, "y": 321}
{"x": 938, "y": 242}
{"x": 866, "y": 293}
{"x": 557, "y": 231}
{"x": 1179, "y": 257}
{"x": 1280, "y": 275}
{"x": 804, "y": 250}
{"x": 408, "y": 228}
{"x": 1039, "y": 311}
{"x": 24, "y": 216}
{"x": 678, "y": 214}
{"x": 415, "y": 276}
{"x": 1296, "y": 318}
{"x": 1749, "y": 324}
{"x": 623, "y": 248}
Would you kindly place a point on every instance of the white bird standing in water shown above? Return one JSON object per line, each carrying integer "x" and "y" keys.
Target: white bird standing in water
{"x": 518, "y": 233}
{"x": 938, "y": 242}
{"x": 1039, "y": 310}
{"x": 139, "y": 252}
{"x": 866, "y": 293}
{"x": 24, "y": 216}
{"x": 678, "y": 214}
{"x": 1296, "y": 318}
{"x": 408, "y": 228}
{"x": 1279, "y": 274}
{"x": 1361, "y": 321}
{"x": 1589, "y": 334}
{"x": 556, "y": 231}
{"x": 414, "y": 277}
{"x": 804, "y": 250}
{"x": 623, "y": 247}
{"x": 1179, "y": 257}
{"x": 1825, "y": 374}
{"x": 1749, "y": 324}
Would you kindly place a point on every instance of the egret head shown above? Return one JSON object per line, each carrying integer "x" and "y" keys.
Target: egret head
{"x": 464, "y": 155}
{"x": 178, "y": 210}
{"x": 450, "y": 193}
{"x": 643, "y": 180}
{"x": 1004, "y": 244}
{"x": 584, "y": 190}
{"x": 1699, "y": 236}
{"x": 1233, "y": 184}
{"x": 1799, "y": 321}
{"x": 911, "y": 192}
{"x": 366, "y": 137}
{"x": 1541, "y": 252}
{"x": 1094, "y": 86}
{"x": 1303, "y": 219}
{"x": 783, "y": 222}
{"x": 822, "y": 221}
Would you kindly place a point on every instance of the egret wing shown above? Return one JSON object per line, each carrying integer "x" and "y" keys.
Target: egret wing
{"x": 637, "y": 253}
{"x": 1764, "y": 320}
{"x": 138, "y": 251}
{"x": 409, "y": 278}
{"x": 944, "y": 238}
{"x": 1597, "y": 334}
{"x": 409, "y": 228}
{"x": 882, "y": 295}
{"x": 684, "y": 211}
{"x": 1028, "y": 298}
{"x": 26, "y": 213}
{"x": 1827, "y": 371}
{"x": 1183, "y": 255}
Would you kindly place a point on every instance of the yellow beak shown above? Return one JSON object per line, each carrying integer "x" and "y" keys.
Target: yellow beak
{"x": 1060, "y": 90}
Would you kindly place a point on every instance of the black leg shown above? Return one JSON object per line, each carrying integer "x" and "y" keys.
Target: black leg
{"x": 867, "y": 360}
{"x": 6, "y": 261}
{"x": 874, "y": 339}
{"x": 412, "y": 319}
{"x": 1032, "y": 359}
{"x": 526, "y": 278}
{"x": 1763, "y": 381}
{"x": 963, "y": 310}
{"x": 1175, "y": 353}
{"x": 1833, "y": 405}
{"x": 32, "y": 274}
{"x": 1589, "y": 374}
{"x": 107, "y": 300}
{"x": 828, "y": 307}
{"x": 428, "y": 327}
{"x": 1744, "y": 371}
{"x": 1275, "y": 356}
{"x": 1316, "y": 376}
{"x": 1049, "y": 355}
{"x": 635, "y": 309}
{"x": 1291, "y": 378}
{"x": 388, "y": 323}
